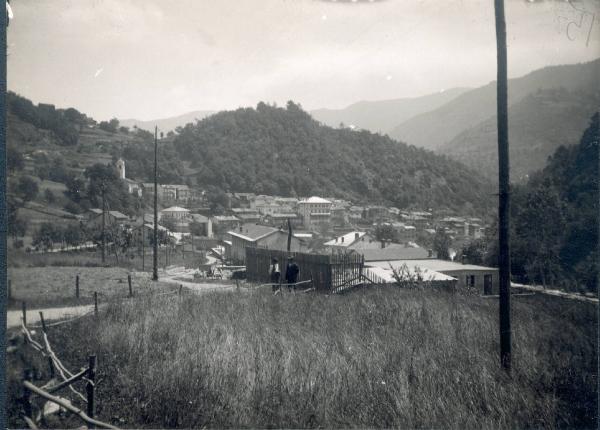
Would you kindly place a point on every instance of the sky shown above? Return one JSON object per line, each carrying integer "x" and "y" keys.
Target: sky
{"x": 149, "y": 59}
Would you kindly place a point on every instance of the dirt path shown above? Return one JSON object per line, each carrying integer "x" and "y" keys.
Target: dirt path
{"x": 13, "y": 318}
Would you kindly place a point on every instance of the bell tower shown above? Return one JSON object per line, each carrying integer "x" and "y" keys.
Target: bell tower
{"x": 121, "y": 168}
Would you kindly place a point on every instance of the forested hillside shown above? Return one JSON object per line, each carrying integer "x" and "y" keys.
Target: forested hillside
{"x": 554, "y": 238}
{"x": 284, "y": 151}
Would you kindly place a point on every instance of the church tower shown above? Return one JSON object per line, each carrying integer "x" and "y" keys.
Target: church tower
{"x": 121, "y": 168}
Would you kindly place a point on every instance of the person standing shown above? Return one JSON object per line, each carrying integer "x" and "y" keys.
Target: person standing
{"x": 275, "y": 273}
{"x": 291, "y": 273}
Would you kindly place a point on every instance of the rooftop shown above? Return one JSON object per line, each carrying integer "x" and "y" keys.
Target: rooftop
{"x": 394, "y": 252}
{"x": 314, "y": 199}
{"x": 175, "y": 209}
{"x": 431, "y": 264}
{"x": 117, "y": 214}
{"x": 346, "y": 239}
{"x": 252, "y": 232}
{"x": 387, "y": 274}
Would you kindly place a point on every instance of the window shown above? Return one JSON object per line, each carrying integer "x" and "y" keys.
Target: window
{"x": 470, "y": 281}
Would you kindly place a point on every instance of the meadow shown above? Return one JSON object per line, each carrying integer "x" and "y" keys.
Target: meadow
{"x": 376, "y": 358}
{"x": 43, "y": 287}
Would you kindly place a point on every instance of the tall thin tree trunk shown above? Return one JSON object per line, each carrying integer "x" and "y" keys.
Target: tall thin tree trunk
{"x": 503, "y": 187}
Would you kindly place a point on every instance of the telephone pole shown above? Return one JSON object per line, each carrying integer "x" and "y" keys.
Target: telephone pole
{"x": 155, "y": 248}
{"x": 103, "y": 225}
{"x": 503, "y": 188}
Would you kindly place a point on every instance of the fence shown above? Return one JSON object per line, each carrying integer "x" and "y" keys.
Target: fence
{"x": 327, "y": 272}
{"x": 87, "y": 374}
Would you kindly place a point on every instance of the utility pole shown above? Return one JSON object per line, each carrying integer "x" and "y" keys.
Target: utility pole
{"x": 155, "y": 248}
{"x": 289, "y": 241}
{"x": 103, "y": 224}
{"x": 143, "y": 250}
{"x": 503, "y": 188}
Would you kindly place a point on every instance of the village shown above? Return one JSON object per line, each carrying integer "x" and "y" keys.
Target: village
{"x": 386, "y": 238}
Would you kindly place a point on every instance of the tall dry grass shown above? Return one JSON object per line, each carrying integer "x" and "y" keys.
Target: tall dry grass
{"x": 377, "y": 358}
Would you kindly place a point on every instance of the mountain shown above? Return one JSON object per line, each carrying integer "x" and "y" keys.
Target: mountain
{"x": 382, "y": 116}
{"x": 167, "y": 124}
{"x": 433, "y": 129}
{"x": 283, "y": 151}
{"x": 538, "y": 125}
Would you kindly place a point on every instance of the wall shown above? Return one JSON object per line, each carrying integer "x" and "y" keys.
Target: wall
{"x": 461, "y": 276}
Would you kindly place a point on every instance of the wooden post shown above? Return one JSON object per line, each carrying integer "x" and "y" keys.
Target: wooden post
{"x": 180, "y": 289}
{"x": 24, "y": 309}
{"x": 43, "y": 322}
{"x": 95, "y": 302}
{"x": 142, "y": 240}
{"x": 9, "y": 290}
{"x": 77, "y": 286}
{"x": 155, "y": 248}
{"x": 129, "y": 282}
{"x": 503, "y": 187}
{"x": 27, "y": 376}
{"x": 103, "y": 225}
{"x": 90, "y": 386}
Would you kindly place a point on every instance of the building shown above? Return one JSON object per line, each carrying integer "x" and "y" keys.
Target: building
{"x": 405, "y": 233}
{"x": 170, "y": 193}
{"x": 112, "y": 218}
{"x": 223, "y": 223}
{"x": 484, "y": 279}
{"x": 315, "y": 212}
{"x": 281, "y": 219}
{"x": 133, "y": 187}
{"x": 205, "y": 224}
{"x": 176, "y": 213}
{"x": 259, "y": 236}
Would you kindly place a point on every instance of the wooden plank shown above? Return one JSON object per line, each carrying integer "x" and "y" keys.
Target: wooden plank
{"x": 68, "y": 406}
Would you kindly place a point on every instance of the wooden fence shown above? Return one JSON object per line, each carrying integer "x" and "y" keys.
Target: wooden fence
{"x": 327, "y": 271}
{"x": 57, "y": 368}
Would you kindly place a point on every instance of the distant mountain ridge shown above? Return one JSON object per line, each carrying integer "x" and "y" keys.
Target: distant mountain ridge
{"x": 167, "y": 124}
{"x": 433, "y": 129}
{"x": 383, "y": 115}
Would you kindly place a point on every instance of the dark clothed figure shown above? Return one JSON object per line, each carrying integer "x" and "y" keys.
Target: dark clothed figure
{"x": 291, "y": 273}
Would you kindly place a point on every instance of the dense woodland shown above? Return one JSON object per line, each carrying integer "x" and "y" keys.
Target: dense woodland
{"x": 283, "y": 151}
{"x": 554, "y": 221}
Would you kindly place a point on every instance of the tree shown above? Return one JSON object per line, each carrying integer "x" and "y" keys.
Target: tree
{"x": 385, "y": 232}
{"x": 27, "y": 188}
{"x": 75, "y": 189}
{"x": 14, "y": 159}
{"x": 441, "y": 244}
{"x": 46, "y": 235}
{"x": 17, "y": 229}
{"x": 168, "y": 223}
{"x": 197, "y": 229}
{"x": 49, "y": 196}
{"x": 110, "y": 126}
{"x": 474, "y": 251}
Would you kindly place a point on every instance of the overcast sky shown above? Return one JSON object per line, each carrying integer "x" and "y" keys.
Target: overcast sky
{"x": 149, "y": 59}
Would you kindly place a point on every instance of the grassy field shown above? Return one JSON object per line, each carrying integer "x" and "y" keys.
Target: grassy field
{"x": 93, "y": 258}
{"x": 43, "y": 287}
{"x": 377, "y": 358}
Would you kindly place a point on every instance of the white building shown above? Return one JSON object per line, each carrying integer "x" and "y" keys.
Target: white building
{"x": 315, "y": 212}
